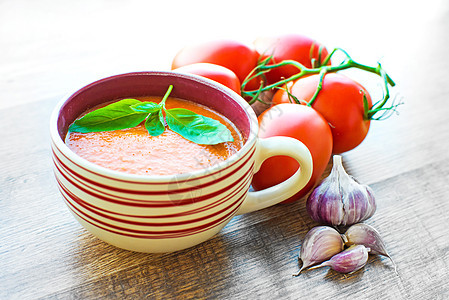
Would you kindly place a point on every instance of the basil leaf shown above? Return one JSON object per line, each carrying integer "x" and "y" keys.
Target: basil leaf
{"x": 155, "y": 123}
{"x": 114, "y": 116}
{"x": 147, "y": 107}
{"x": 197, "y": 128}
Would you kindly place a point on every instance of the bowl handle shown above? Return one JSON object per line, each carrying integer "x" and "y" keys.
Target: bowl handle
{"x": 274, "y": 146}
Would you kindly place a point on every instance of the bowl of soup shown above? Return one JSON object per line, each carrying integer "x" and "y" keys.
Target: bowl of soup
{"x": 163, "y": 192}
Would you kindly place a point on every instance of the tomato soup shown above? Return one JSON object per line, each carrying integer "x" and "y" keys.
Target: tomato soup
{"x": 135, "y": 151}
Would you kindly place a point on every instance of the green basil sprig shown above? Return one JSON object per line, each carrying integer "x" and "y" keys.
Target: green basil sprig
{"x": 129, "y": 113}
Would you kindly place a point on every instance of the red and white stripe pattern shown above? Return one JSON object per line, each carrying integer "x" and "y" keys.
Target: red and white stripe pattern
{"x": 153, "y": 213}
{"x": 149, "y": 210}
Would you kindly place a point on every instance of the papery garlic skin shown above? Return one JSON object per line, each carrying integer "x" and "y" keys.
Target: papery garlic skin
{"x": 350, "y": 260}
{"x": 340, "y": 200}
{"x": 320, "y": 244}
{"x": 364, "y": 234}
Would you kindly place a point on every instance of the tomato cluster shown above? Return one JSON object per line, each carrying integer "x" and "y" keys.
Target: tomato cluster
{"x": 325, "y": 111}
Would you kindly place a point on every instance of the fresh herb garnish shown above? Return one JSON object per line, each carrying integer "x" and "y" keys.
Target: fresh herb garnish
{"x": 118, "y": 115}
{"x": 129, "y": 113}
{"x": 155, "y": 123}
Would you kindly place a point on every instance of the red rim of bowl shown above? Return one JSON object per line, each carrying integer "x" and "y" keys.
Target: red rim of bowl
{"x": 56, "y": 132}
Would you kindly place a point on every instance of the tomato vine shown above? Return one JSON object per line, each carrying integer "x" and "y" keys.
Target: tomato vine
{"x": 379, "y": 110}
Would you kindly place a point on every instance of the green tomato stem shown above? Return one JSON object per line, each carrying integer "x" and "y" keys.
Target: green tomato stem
{"x": 319, "y": 87}
{"x": 322, "y": 69}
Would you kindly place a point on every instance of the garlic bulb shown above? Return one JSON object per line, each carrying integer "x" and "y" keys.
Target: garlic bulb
{"x": 320, "y": 244}
{"x": 339, "y": 200}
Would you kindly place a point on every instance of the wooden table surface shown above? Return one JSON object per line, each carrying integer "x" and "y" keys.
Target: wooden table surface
{"x": 49, "y": 48}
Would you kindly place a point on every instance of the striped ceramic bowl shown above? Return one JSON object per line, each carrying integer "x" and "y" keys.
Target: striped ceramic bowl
{"x": 167, "y": 213}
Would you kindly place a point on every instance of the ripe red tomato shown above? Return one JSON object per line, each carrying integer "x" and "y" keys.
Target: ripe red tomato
{"x": 214, "y": 72}
{"x": 289, "y": 46}
{"x": 304, "y": 124}
{"x": 340, "y": 102}
{"x": 234, "y": 55}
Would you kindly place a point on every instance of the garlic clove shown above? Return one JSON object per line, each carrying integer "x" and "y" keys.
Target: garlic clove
{"x": 320, "y": 244}
{"x": 348, "y": 261}
{"x": 324, "y": 204}
{"x": 364, "y": 234}
{"x": 340, "y": 200}
{"x": 360, "y": 204}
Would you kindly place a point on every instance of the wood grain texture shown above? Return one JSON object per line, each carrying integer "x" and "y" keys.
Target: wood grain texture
{"x": 49, "y": 48}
